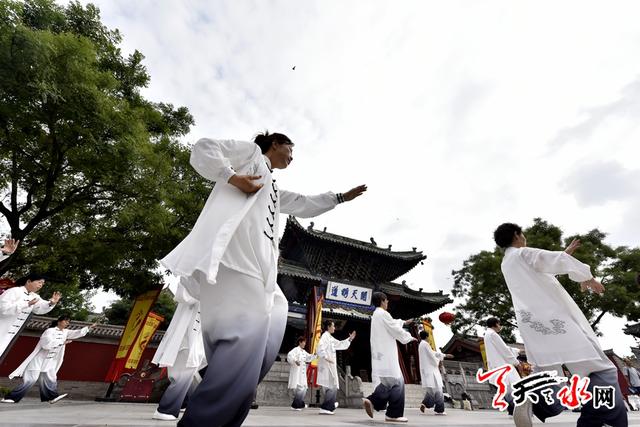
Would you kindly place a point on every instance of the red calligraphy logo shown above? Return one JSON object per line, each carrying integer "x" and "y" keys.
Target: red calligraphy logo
{"x": 498, "y": 399}
{"x": 575, "y": 393}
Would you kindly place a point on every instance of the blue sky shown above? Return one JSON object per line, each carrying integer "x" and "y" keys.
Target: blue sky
{"x": 458, "y": 115}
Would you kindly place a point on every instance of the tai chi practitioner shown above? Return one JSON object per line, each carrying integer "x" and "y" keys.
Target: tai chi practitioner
{"x": 44, "y": 362}
{"x": 17, "y": 303}
{"x": 327, "y": 365}
{"x": 181, "y": 351}
{"x": 553, "y": 328}
{"x": 430, "y": 376}
{"x": 385, "y": 366}
{"x": 231, "y": 253}
{"x": 632, "y": 376}
{"x": 298, "y": 359}
{"x": 500, "y": 354}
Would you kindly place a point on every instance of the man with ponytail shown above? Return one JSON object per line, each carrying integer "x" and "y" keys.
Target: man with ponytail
{"x": 231, "y": 254}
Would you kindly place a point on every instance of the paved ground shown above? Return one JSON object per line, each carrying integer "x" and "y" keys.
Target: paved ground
{"x": 30, "y": 413}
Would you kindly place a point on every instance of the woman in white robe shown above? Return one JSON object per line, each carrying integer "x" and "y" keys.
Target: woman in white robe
{"x": 181, "y": 351}
{"x": 298, "y": 359}
{"x": 231, "y": 253}
{"x": 385, "y": 366}
{"x": 327, "y": 365}
{"x": 430, "y": 376}
{"x": 552, "y": 326}
{"x": 500, "y": 354}
{"x": 17, "y": 303}
{"x": 44, "y": 362}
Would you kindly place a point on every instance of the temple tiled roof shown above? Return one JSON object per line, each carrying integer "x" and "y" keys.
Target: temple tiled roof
{"x": 435, "y": 299}
{"x": 41, "y": 323}
{"x": 414, "y": 255}
{"x": 342, "y": 257}
{"x": 633, "y": 330}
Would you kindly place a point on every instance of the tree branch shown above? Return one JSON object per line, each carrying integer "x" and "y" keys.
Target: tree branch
{"x": 598, "y": 319}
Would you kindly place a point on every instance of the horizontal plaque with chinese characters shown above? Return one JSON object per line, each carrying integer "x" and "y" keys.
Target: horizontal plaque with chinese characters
{"x": 348, "y": 293}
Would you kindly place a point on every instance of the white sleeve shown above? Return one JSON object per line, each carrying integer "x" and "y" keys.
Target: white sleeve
{"x": 341, "y": 345}
{"x": 3, "y": 256}
{"x": 309, "y": 357}
{"x": 322, "y": 348}
{"x": 42, "y": 307}
{"x": 218, "y": 160}
{"x": 502, "y": 349}
{"x": 306, "y": 206}
{"x": 183, "y": 294}
{"x": 77, "y": 333}
{"x": 291, "y": 357}
{"x": 11, "y": 303}
{"x": 394, "y": 327}
{"x": 556, "y": 262}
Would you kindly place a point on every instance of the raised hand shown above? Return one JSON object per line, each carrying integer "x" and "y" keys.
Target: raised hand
{"x": 592, "y": 284}
{"x": 354, "y": 192}
{"x": 246, "y": 183}
{"x": 352, "y": 335}
{"x": 55, "y": 297}
{"x": 10, "y": 246}
{"x": 575, "y": 244}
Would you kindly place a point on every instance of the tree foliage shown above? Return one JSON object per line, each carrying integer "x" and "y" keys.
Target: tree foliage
{"x": 94, "y": 181}
{"x": 484, "y": 293}
{"x": 117, "y": 313}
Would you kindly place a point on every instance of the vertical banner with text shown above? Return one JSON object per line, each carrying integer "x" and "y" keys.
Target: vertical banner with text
{"x": 144, "y": 337}
{"x": 137, "y": 318}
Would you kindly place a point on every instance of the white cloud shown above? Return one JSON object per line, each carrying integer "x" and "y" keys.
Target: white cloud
{"x": 459, "y": 115}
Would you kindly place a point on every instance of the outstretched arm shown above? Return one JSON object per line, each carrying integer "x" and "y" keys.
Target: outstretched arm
{"x": 556, "y": 262}
{"x": 309, "y": 206}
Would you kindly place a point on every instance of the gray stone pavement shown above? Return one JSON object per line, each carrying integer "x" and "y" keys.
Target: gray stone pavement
{"x": 29, "y": 413}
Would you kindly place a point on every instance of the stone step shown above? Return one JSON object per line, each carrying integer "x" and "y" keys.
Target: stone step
{"x": 413, "y": 394}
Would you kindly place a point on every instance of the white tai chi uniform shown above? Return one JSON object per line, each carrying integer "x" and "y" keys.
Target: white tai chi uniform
{"x": 45, "y": 359}
{"x": 385, "y": 366}
{"x": 552, "y": 326}
{"x": 14, "y": 311}
{"x": 231, "y": 253}
{"x": 430, "y": 376}
{"x": 298, "y": 359}
{"x": 181, "y": 351}
{"x": 328, "y": 368}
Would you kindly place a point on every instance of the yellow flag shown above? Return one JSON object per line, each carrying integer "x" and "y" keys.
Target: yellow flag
{"x": 150, "y": 325}
{"x": 136, "y": 320}
{"x": 428, "y": 327}
{"x": 317, "y": 330}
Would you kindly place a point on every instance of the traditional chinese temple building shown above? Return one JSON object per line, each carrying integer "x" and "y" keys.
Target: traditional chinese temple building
{"x": 347, "y": 272}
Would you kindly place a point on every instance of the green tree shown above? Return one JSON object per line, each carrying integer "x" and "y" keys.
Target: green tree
{"x": 117, "y": 313}
{"x": 96, "y": 183}
{"x": 484, "y": 293}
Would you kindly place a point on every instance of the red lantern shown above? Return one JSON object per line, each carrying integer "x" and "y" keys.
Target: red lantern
{"x": 446, "y": 317}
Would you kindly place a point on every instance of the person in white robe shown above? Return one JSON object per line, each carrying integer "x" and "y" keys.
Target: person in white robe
{"x": 500, "y": 354}
{"x": 298, "y": 359}
{"x": 632, "y": 376}
{"x": 231, "y": 253}
{"x": 386, "y": 374}
{"x": 17, "y": 303}
{"x": 181, "y": 351}
{"x": 430, "y": 376}
{"x": 552, "y": 326}
{"x": 44, "y": 362}
{"x": 327, "y": 365}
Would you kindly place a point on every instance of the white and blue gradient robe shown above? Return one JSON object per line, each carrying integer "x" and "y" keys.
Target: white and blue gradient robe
{"x": 243, "y": 310}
